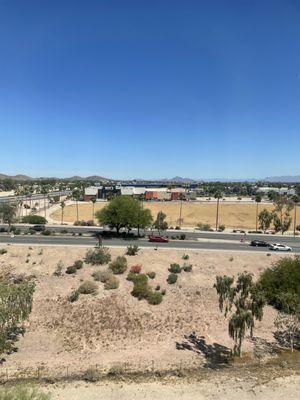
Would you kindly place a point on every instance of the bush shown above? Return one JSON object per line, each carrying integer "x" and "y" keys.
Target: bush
{"x": 47, "y": 232}
{"x": 185, "y": 257}
{"x": 154, "y": 298}
{"x": 23, "y": 392}
{"x": 98, "y": 256}
{"x": 3, "y": 251}
{"x": 111, "y": 283}
{"x": 101, "y": 276}
{"x": 151, "y": 274}
{"x": 187, "y": 267}
{"x": 140, "y": 289}
{"x": 136, "y": 269}
{"x": 88, "y": 287}
{"x": 175, "y": 268}
{"x": 182, "y": 236}
{"x": 221, "y": 227}
{"x": 92, "y": 375}
{"x": 132, "y": 250}
{"x": 74, "y": 296}
{"x": 34, "y": 219}
{"x": 298, "y": 228}
{"x": 71, "y": 270}
{"x": 157, "y": 287}
{"x": 163, "y": 292}
{"x": 80, "y": 223}
{"x": 78, "y": 264}
{"x": 172, "y": 278}
{"x": 118, "y": 266}
{"x": 59, "y": 268}
{"x": 203, "y": 227}
{"x": 280, "y": 284}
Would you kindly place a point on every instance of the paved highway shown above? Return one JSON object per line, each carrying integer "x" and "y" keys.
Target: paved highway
{"x": 90, "y": 241}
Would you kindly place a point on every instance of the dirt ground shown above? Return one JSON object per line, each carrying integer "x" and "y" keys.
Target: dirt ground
{"x": 115, "y": 329}
{"x": 261, "y": 385}
{"x": 240, "y": 216}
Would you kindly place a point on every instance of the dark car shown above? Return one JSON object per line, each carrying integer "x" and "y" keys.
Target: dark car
{"x": 159, "y": 239}
{"x": 38, "y": 228}
{"x": 259, "y": 243}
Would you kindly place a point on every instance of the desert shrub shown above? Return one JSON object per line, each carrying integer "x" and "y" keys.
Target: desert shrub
{"x": 280, "y": 284}
{"x": 3, "y": 251}
{"x": 111, "y": 283}
{"x": 139, "y": 278}
{"x": 88, "y": 287}
{"x": 172, "y": 278}
{"x": 163, "y": 292}
{"x": 154, "y": 297}
{"x": 78, "y": 264}
{"x": 23, "y": 392}
{"x": 136, "y": 269}
{"x": 74, "y": 296}
{"x": 231, "y": 259}
{"x": 101, "y": 276}
{"x": 71, "y": 270}
{"x": 63, "y": 232}
{"x": 187, "y": 267}
{"x": 203, "y": 227}
{"x": 118, "y": 266}
{"x": 175, "y": 268}
{"x": 185, "y": 257}
{"x": 92, "y": 375}
{"x": 47, "y": 232}
{"x": 157, "y": 287}
{"x": 132, "y": 250}
{"x": 182, "y": 236}
{"x": 140, "y": 290}
{"x": 59, "y": 268}
{"x": 151, "y": 274}
{"x": 222, "y": 227}
{"x": 34, "y": 219}
{"x": 98, "y": 256}
{"x": 80, "y": 223}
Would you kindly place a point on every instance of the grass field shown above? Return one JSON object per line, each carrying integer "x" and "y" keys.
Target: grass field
{"x": 231, "y": 215}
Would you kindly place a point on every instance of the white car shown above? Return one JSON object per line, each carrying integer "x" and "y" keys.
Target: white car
{"x": 279, "y": 247}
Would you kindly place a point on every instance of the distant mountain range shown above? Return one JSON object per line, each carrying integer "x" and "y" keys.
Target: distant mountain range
{"x": 176, "y": 179}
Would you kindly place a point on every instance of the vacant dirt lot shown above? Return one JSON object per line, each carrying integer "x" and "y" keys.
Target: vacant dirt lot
{"x": 231, "y": 215}
{"x": 113, "y": 327}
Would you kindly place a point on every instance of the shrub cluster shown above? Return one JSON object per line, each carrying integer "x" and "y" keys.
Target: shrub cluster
{"x": 142, "y": 290}
{"x": 118, "y": 266}
{"x": 203, "y": 227}
{"x": 111, "y": 283}
{"x": 88, "y": 287}
{"x": 34, "y": 219}
{"x": 98, "y": 256}
{"x": 175, "y": 268}
{"x": 132, "y": 250}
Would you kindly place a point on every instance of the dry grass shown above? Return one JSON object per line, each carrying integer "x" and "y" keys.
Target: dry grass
{"x": 231, "y": 215}
{"x": 113, "y": 326}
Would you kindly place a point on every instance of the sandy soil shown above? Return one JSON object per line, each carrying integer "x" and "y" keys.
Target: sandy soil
{"x": 114, "y": 328}
{"x": 263, "y": 385}
{"x": 231, "y": 215}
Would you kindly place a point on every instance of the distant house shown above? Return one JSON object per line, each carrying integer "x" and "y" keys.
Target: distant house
{"x": 283, "y": 191}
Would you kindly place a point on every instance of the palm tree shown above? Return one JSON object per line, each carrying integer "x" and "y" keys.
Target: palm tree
{"x": 181, "y": 198}
{"x": 62, "y": 205}
{"x": 218, "y": 195}
{"x": 257, "y": 200}
{"x": 76, "y": 195}
{"x": 44, "y": 191}
{"x": 93, "y": 200}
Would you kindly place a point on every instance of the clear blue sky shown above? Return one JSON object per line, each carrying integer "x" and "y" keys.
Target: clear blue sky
{"x": 150, "y": 88}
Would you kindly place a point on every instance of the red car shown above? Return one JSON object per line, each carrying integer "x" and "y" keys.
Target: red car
{"x": 159, "y": 239}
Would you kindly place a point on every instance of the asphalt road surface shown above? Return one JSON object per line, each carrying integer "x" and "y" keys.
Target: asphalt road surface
{"x": 211, "y": 244}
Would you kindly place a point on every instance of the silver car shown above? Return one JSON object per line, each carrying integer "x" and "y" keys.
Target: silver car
{"x": 279, "y": 247}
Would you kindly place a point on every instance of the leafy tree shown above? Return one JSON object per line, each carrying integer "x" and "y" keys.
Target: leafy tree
{"x": 281, "y": 216}
{"x": 121, "y": 212}
{"x": 143, "y": 219}
{"x": 160, "y": 224}
{"x": 8, "y": 212}
{"x": 265, "y": 218}
{"x": 247, "y": 301}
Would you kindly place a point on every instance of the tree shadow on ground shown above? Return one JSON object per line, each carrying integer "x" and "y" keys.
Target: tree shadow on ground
{"x": 216, "y": 355}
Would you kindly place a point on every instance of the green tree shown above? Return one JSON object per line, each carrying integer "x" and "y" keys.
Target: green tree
{"x": 218, "y": 195}
{"x": 121, "y": 212}
{"x": 143, "y": 219}
{"x": 281, "y": 216}
{"x": 8, "y": 212}
{"x": 248, "y": 305}
{"x": 257, "y": 201}
{"x": 160, "y": 224}
{"x": 265, "y": 218}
